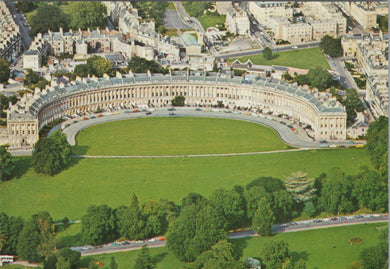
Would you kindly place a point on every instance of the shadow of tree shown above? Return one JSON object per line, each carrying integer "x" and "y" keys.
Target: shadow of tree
{"x": 296, "y": 256}
{"x": 159, "y": 257}
{"x": 22, "y": 165}
{"x": 80, "y": 150}
{"x": 238, "y": 247}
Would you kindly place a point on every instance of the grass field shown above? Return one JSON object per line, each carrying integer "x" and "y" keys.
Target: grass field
{"x": 176, "y": 136}
{"x": 302, "y": 58}
{"x": 112, "y": 181}
{"x": 315, "y": 246}
{"x": 211, "y": 20}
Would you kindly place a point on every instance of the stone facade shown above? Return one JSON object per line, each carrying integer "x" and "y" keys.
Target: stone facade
{"x": 263, "y": 10}
{"x": 326, "y": 117}
{"x": 366, "y": 12}
{"x": 237, "y": 21}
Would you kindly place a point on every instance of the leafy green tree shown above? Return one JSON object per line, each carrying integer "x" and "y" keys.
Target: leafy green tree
{"x": 267, "y": 53}
{"x": 131, "y": 222}
{"x": 275, "y": 254}
{"x": 26, "y": 6}
{"x": 95, "y": 66}
{"x": 144, "y": 261}
{"x": 319, "y": 78}
{"x": 252, "y": 197}
{"x": 383, "y": 22}
{"x": 71, "y": 256}
{"x": 196, "y": 229}
{"x": 263, "y": 219}
{"x": 141, "y": 65}
{"x": 352, "y": 105}
{"x": 51, "y": 155}
{"x": 336, "y": 193}
{"x": 286, "y": 76}
{"x": 36, "y": 240}
{"x": 375, "y": 257}
{"x": 4, "y": 71}
{"x": 6, "y": 164}
{"x": 283, "y": 205}
{"x": 98, "y": 225}
{"x": 54, "y": 19}
{"x": 230, "y": 205}
{"x": 50, "y": 262}
{"x": 370, "y": 189}
{"x": 195, "y": 8}
{"x": 377, "y": 144}
{"x": 178, "y": 101}
{"x": 219, "y": 256}
{"x": 331, "y": 46}
{"x": 300, "y": 186}
{"x": 301, "y": 80}
{"x": 4, "y": 230}
{"x": 10, "y": 228}
{"x": 62, "y": 263}
{"x": 87, "y": 14}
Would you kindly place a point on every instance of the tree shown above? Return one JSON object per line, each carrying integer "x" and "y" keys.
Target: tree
{"x": 300, "y": 186}
{"x": 178, "y": 101}
{"x": 370, "y": 190}
{"x": 36, "y": 240}
{"x": 95, "y": 66}
{"x": 141, "y": 65}
{"x": 131, "y": 222}
{"x": 196, "y": 229}
{"x": 10, "y": 227}
{"x": 33, "y": 79}
{"x": 352, "y": 105}
{"x": 331, "y": 46}
{"x": 283, "y": 205}
{"x": 54, "y": 19}
{"x": 267, "y": 53}
{"x": 336, "y": 193}
{"x": 263, "y": 219}
{"x": 270, "y": 184}
{"x": 275, "y": 254}
{"x": 319, "y": 78}
{"x": 377, "y": 144}
{"x": 375, "y": 257}
{"x": 219, "y": 256}
{"x": 230, "y": 205}
{"x": 144, "y": 261}
{"x": 4, "y": 230}
{"x": 51, "y": 155}
{"x": 6, "y": 164}
{"x": 98, "y": 225}
{"x": 252, "y": 197}
{"x": 4, "y": 71}
{"x": 87, "y": 15}
{"x": 286, "y": 76}
{"x": 62, "y": 263}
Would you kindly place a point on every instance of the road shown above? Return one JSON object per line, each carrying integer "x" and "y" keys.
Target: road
{"x": 277, "y": 228}
{"x": 172, "y": 19}
{"x": 285, "y": 133}
{"x": 337, "y": 65}
{"x": 24, "y": 31}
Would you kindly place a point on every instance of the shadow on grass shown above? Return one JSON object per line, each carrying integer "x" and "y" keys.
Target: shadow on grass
{"x": 238, "y": 246}
{"x": 296, "y": 256}
{"x": 22, "y": 164}
{"x": 85, "y": 261}
{"x": 80, "y": 150}
{"x": 159, "y": 257}
{"x": 69, "y": 241}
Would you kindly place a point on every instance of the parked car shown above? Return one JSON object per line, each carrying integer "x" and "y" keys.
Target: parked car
{"x": 172, "y": 114}
{"x": 148, "y": 113}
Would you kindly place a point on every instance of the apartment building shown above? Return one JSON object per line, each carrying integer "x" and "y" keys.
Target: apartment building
{"x": 366, "y": 13}
{"x": 262, "y": 11}
{"x": 237, "y": 21}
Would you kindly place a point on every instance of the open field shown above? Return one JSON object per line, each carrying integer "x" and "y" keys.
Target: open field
{"x": 212, "y": 20}
{"x": 176, "y": 136}
{"x": 113, "y": 181}
{"x": 299, "y": 58}
{"x": 315, "y": 246}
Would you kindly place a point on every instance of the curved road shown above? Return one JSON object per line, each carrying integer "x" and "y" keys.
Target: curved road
{"x": 285, "y": 133}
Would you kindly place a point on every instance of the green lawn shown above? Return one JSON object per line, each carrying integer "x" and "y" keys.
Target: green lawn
{"x": 315, "y": 246}
{"x": 113, "y": 181}
{"x": 300, "y": 58}
{"x": 176, "y": 136}
{"x": 211, "y": 20}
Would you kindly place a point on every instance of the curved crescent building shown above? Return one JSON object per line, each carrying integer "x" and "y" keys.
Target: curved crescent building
{"x": 326, "y": 117}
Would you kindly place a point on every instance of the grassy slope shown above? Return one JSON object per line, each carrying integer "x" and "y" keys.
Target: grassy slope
{"x": 302, "y": 58}
{"x": 176, "y": 136}
{"x": 112, "y": 181}
{"x": 211, "y": 20}
{"x": 316, "y": 246}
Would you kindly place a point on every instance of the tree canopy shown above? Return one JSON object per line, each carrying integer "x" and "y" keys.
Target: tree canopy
{"x": 51, "y": 155}
{"x": 33, "y": 79}
{"x": 331, "y": 46}
{"x": 87, "y": 14}
{"x": 95, "y": 66}
{"x": 4, "y": 71}
{"x": 6, "y": 164}
{"x": 300, "y": 186}
{"x": 352, "y": 105}
{"x": 319, "y": 78}
{"x": 377, "y": 144}
{"x": 144, "y": 260}
{"x": 267, "y": 53}
{"x": 178, "y": 101}
{"x": 54, "y": 19}
{"x": 141, "y": 65}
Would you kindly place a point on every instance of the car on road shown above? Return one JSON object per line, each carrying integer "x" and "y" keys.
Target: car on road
{"x": 198, "y": 109}
{"x": 342, "y": 218}
{"x": 323, "y": 141}
{"x": 148, "y": 113}
{"x": 171, "y": 109}
{"x": 317, "y": 221}
{"x": 172, "y": 114}
{"x": 359, "y": 217}
{"x": 127, "y": 111}
{"x": 333, "y": 218}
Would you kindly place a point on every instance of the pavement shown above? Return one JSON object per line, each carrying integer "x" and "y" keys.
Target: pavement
{"x": 172, "y": 19}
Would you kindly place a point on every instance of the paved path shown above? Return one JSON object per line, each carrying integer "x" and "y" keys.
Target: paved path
{"x": 185, "y": 156}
